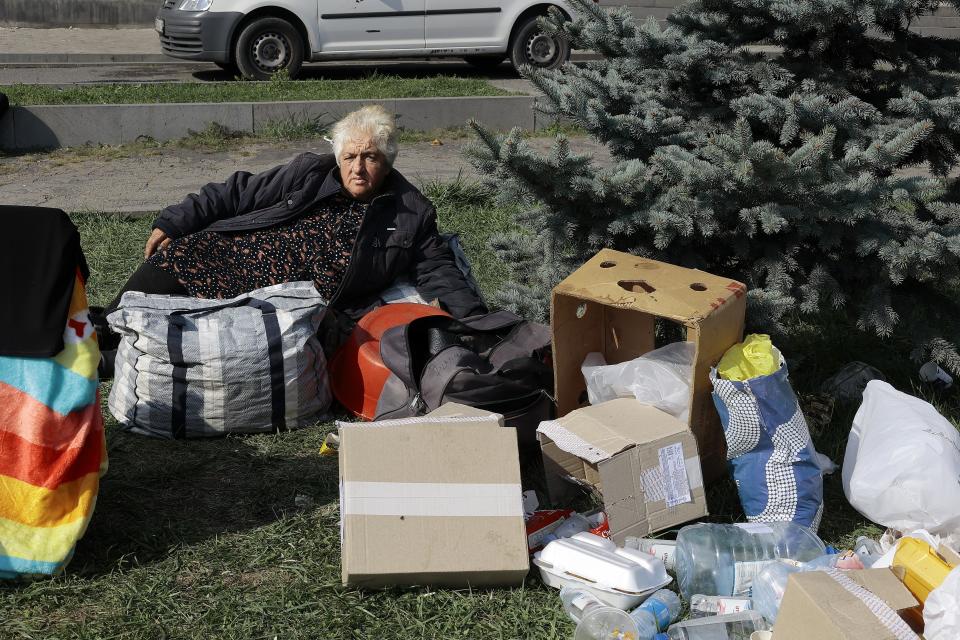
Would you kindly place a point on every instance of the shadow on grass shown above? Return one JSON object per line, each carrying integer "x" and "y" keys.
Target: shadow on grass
{"x": 160, "y": 495}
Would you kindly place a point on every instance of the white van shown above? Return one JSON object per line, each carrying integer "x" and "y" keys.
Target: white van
{"x": 259, "y": 37}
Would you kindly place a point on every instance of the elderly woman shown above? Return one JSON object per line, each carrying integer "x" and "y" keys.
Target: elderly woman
{"x": 348, "y": 221}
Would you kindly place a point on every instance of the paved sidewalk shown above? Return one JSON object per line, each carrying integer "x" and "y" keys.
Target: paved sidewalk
{"x": 146, "y": 184}
{"x": 22, "y": 45}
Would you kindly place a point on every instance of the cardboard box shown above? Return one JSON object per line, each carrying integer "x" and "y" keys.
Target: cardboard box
{"x": 643, "y": 461}
{"x": 431, "y": 501}
{"x": 816, "y": 606}
{"x": 612, "y": 304}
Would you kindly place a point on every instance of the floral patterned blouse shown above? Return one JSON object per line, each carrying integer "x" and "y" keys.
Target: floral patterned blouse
{"x": 314, "y": 247}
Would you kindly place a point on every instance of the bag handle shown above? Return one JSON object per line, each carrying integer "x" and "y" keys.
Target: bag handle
{"x": 271, "y": 325}
{"x": 256, "y": 303}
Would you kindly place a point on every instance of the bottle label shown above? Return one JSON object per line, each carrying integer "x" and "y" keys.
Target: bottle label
{"x": 754, "y": 528}
{"x": 665, "y": 552}
{"x": 732, "y": 605}
{"x": 660, "y": 612}
{"x": 744, "y": 573}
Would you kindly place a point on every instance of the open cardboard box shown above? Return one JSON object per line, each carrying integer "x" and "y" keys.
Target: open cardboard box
{"x": 642, "y": 461}
{"x": 612, "y": 304}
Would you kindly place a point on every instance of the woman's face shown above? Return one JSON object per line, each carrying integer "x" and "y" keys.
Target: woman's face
{"x": 362, "y": 168}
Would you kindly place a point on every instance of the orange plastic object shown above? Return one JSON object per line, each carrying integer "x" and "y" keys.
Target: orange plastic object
{"x": 357, "y": 374}
{"x": 924, "y": 569}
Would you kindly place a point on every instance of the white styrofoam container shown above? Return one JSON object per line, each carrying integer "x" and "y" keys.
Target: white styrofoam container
{"x": 621, "y": 578}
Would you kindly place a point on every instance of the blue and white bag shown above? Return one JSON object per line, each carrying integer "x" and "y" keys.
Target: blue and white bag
{"x": 769, "y": 449}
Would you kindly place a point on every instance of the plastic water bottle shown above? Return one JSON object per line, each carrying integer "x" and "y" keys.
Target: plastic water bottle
{"x": 844, "y": 560}
{"x": 771, "y": 583}
{"x": 732, "y": 626}
{"x": 722, "y": 559}
{"x": 643, "y": 623}
{"x": 702, "y": 606}
{"x": 769, "y": 587}
{"x": 868, "y": 550}
{"x": 577, "y": 601}
{"x": 666, "y": 550}
{"x": 573, "y": 525}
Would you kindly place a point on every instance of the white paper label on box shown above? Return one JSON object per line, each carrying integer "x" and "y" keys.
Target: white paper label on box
{"x": 676, "y": 485}
{"x": 744, "y": 573}
{"x": 430, "y": 499}
{"x": 754, "y": 528}
{"x": 654, "y": 487}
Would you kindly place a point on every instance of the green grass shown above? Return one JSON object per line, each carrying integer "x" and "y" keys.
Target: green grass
{"x": 374, "y": 87}
{"x": 238, "y": 538}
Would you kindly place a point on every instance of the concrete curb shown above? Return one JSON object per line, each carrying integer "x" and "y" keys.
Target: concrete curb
{"x": 54, "y": 126}
{"x": 88, "y": 58}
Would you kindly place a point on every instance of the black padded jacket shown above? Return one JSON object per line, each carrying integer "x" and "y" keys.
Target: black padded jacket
{"x": 398, "y": 234}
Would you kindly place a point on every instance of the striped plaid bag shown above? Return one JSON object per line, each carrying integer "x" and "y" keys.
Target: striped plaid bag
{"x": 195, "y": 368}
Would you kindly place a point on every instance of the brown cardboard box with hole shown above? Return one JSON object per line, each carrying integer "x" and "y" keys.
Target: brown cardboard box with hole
{"x": 642, "y": 461}
{"x": 432, "y": 501}
{"x": 816, "y": 606}
{"x": 612, "y": 304}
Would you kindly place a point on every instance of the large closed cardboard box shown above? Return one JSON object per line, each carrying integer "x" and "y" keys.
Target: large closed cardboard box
{"x": 432, "y": 501}
{"x": 815, "y": 605}
{"x": 612, "y": 305}
{"x": 641, "y": 460}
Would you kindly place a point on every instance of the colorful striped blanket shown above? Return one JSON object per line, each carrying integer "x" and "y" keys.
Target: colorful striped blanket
{"x": 52, "y": 449}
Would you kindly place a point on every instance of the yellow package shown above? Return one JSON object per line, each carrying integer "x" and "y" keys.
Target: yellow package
{"x": 924, "y": 570}
{"x": 756, "y": 356}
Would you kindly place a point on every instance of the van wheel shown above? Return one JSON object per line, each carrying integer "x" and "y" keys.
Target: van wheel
{"x": 485, "y": 62}
{"x": 266, "y": 46}
{"x": 531, "y": 46}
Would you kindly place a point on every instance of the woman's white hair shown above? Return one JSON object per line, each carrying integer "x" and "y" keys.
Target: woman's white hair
{"x": 372, "y": 122}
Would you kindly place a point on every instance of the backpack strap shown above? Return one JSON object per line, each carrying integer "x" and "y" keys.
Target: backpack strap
{"x": 440, "y": 370}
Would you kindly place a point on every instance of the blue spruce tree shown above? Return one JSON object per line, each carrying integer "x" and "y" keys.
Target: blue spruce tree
{"x": 816, "y": 169}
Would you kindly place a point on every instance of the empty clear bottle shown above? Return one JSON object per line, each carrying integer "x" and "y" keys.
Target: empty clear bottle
{"x": 732, "y": 626}
{"x": 769, "y": 587}
{"x": 702, "y": 606}
{"x": 722, "y": 559}
{"x": 666, "y": 550}
{"x": 598, "y": 621}
{"x": 868, "y": 550}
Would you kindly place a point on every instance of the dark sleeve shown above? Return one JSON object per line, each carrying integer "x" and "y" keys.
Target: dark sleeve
{"x": 241, "y": 193}
{"x": 437, "y": 274}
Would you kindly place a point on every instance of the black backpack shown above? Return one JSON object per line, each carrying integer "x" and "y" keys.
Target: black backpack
{"x": 494, "y": 362}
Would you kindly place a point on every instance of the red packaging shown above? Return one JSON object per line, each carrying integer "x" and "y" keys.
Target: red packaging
{"x": 542, "y": 523}
{"x": 602, "y": 528}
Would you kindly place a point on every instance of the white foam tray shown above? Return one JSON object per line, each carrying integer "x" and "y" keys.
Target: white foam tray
{"x": 621, "y": 578}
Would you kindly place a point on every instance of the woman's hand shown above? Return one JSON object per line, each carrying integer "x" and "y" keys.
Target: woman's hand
{"x": 157, "y": 240}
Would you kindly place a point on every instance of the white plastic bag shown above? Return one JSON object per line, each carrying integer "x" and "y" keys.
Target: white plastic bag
{"x": 660, "y": 378}
{"x": 941, "y": 611}
{"x": 902, "y": 463}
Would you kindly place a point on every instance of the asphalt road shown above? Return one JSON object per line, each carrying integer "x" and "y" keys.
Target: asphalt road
{"x": 72, "y": 74}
